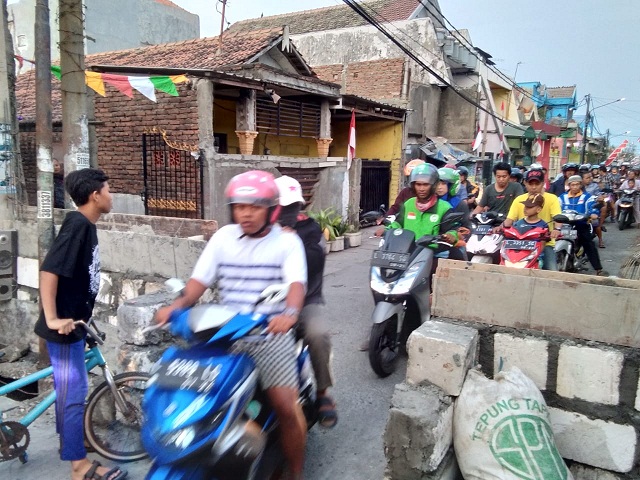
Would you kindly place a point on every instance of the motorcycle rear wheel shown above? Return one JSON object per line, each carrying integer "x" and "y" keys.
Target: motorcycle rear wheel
{"x": 383, "y": 347}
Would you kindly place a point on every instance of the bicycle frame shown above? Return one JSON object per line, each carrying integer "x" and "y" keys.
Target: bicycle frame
{"x": 93, "y": 358}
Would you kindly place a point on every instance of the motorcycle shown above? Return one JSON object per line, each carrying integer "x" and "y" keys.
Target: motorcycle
{"x": 569, "y": 257}
{"x": 372, "y": 217}
{"x": 400, "y": 281}
{"x": 206, "y": 416}
{"x": 483, "y": 246}
{"x": 625, "y": 208}
{"x": 523, "y": 247}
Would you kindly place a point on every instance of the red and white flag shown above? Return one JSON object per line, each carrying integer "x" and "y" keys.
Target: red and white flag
{"x": 638, "y": 139}
{"x": 351, "y": 146}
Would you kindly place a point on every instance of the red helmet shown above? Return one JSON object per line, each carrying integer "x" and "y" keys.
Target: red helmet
{"x": 253, "y": 188}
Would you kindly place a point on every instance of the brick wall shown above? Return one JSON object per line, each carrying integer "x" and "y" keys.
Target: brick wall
{"x": 122, "y": 122}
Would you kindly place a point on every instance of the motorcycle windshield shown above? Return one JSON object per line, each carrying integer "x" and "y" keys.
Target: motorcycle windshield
{"x": 399, "y": 240}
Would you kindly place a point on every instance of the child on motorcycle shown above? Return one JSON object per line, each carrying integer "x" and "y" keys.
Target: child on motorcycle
{"x": 311, "y": 324}
{"x": 532, "y": 207}
{"x": 244, "y": 258}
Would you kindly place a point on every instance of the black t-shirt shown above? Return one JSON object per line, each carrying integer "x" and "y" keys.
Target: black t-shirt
{"x": 75, "y": 258}
{"x": 309, "y": 232}
{"x": 500, "y": 202}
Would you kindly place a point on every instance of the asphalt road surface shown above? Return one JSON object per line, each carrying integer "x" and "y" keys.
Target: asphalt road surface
{"x": 354, "y": 448}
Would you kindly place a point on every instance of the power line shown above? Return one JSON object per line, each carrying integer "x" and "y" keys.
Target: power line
{"x": 360, "y": 11}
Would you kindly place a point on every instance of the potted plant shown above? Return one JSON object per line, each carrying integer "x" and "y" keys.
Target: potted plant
{"x": 353, "y": 236}
{"x": 339, "y": 229}
{"x": 326, "y": 220}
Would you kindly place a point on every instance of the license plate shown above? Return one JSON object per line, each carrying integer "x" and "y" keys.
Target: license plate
{"x": 520, "y": 244}
{"x": 398, "y": 261}
{"x": 184, "y": 374}
{"x": 568, "y": 233}
{"x": 482, "y": 229}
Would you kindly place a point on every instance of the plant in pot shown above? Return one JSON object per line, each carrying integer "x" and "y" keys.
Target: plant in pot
{"x": 339, "y": 229}
{"x": 353, "y": 236}
{"x": 325, "y": 219}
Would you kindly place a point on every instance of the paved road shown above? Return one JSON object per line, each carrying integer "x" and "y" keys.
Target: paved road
{"x": 354, "y": 448}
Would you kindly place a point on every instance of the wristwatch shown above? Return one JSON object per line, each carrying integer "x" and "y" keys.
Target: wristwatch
{"x": 291, "y": 312}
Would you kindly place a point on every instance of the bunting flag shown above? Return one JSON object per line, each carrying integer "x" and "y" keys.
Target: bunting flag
{"x": 616, "y": 152}
{"x": 351, "y": 145}
{"x": 147, "y": 86}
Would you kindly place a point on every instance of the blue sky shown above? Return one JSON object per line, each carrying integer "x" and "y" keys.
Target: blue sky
{"x": 588, "y": 43}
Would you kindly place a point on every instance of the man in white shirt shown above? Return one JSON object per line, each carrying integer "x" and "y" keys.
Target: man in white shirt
{"x": 244, "y": 258}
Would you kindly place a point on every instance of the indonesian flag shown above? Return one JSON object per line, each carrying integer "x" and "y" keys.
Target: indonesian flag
{"x": 351, "y": 146}
{"x": 616, "y": 152}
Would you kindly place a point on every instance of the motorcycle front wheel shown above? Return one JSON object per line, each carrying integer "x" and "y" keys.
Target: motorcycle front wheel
{"x": 383, "y": 347}
{"x": 622, "y": 220}
{"x": 562, "y": 259}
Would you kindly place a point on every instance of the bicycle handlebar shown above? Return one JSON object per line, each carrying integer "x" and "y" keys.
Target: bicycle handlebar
{"x": 90, "y": 331}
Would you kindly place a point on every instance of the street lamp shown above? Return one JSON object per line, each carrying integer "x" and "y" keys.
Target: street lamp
{"x": 587, "y": 120}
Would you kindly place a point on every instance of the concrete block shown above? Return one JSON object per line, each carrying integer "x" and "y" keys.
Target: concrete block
{"x": 28, "y": 273}
{"x": 130, "y": 289}
{"x": 419, "y": 432}
{"x": 529, "y": 354}
{"x": 601, "y": 444}
{"x": 153, "y": 287}
{"x": 133, "y": 358}
{"x": 582, "y": 472}
{"x": 441, "y": 353}
{"x": 105, "y": 291}
{"x": 187, "y": 253}
{"x": 542, "y": 303}
{"x": 163, "y": 256}
{"x": 136, "y": 314}
{"x": 590, "y": 374}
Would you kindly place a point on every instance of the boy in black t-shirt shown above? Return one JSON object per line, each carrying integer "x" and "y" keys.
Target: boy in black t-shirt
{"x": 69, "y": 281}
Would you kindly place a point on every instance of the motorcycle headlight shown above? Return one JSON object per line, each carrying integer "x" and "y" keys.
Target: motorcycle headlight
{"x": 377, "y": 284}
{"x": 406, "y": 280}
{"x": 184, "y": 437}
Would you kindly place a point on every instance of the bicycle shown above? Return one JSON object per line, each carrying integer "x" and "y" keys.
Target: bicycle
{"x": 113, "y": 414}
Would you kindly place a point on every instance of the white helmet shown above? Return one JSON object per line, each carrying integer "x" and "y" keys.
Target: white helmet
{"x": 290, "y": 191}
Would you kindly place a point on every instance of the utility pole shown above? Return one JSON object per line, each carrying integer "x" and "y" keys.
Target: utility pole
{"x": 584, "y": 134}
{"x": 75, "y": 124}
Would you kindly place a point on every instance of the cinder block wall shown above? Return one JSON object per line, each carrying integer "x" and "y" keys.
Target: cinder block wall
{"x": 591, "y": 386}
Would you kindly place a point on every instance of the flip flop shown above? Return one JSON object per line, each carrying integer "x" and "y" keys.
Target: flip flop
{"x": 114, "y": 474}
{"x": 601, "y": 246}
{"x": 327, "y": 417}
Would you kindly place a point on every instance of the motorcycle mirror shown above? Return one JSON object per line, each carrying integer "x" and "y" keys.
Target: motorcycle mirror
{"x": 451, "y": 221}
{"x": 275, "y": 293}
{"x": 389, "y": 220}
{"x": 174, "y": 285}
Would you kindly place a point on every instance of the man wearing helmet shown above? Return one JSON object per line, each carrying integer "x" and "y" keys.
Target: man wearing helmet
{"x": 423, "y": 213}
{"x": 560, "y": 185}
{"x": 311, "y": 325}
{"x": 470, "y": 187}
{"x": 498, "y": 196}
{"x": 243, "y": 258}
{"x": 407, "y": 192}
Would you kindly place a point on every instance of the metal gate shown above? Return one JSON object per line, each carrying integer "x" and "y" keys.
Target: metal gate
{"x": 374, "y": 184}
{"x": 172, "y": 178}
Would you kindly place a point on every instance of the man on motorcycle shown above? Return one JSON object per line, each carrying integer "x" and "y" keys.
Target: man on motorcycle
{"x": 472, "y": 188}
{"x": 423, "y": 213}
{"x": 559, "y": 186}
{"x": 311, "y": 325}
{"x": 244, "y": 258}
{"x": 407, "y": 192}
{"x": 577, "y": 200}
{"x": 593, "y": 189}
{"x": 551, "y": 206}
{"x": 499, "y": 196}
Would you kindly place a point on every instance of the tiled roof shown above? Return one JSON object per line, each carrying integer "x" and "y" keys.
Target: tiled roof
{"x": 331, "y": 18}
{"x": 169, "y": 4}
{"x": 201, "y": 53}
{"x": 376, "y": 79}
{"x": 561, "y": 92}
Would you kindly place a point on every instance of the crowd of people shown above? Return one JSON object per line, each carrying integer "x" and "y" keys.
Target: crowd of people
{"x": 521, "y": 195}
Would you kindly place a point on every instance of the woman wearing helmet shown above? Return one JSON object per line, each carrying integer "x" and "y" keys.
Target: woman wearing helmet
{"x": 311, "y": 324}
{"x": 230, "y": 260}
{"x": 423, "y": 213}
{"x": 447, "y": 190}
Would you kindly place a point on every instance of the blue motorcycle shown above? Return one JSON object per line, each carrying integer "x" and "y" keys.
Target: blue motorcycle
{"x": 205, "y": 414}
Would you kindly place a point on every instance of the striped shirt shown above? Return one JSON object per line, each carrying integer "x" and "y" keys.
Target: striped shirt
{"x": 244, "y": 266}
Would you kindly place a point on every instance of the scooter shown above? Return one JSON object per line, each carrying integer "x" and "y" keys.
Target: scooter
{"x": 372, "y": 217}
{"x": 569, "y": 257}
{"x": 523, "y": 247}
{"x": 206, "y": 416}
{"x": 483, "y": 246}
{"x": 625, "y": 208}
{"x": 400, "y": 280}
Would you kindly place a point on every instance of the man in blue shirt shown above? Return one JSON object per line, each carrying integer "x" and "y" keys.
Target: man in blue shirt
{"x": 578, "y": 201}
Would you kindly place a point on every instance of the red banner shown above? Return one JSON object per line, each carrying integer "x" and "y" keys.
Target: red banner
{"x": 616, "y": 152}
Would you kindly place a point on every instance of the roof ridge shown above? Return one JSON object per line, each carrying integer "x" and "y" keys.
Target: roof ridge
{"x": 288, "y": 14}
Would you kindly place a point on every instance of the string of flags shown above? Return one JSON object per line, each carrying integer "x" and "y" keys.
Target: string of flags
{"x": 146, "y": 85}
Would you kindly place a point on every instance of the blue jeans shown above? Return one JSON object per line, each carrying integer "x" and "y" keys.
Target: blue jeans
{"x": 549, "y": 260}
{"x": 71, "y": 384}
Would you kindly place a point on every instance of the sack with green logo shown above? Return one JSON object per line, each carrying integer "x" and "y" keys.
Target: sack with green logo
{"x": 502, "y": 431}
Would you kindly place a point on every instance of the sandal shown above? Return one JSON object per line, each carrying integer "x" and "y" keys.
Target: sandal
{"x": 327, "y": 414}
{"x": 601, "y": 246}
{"x": 114, "y": 474}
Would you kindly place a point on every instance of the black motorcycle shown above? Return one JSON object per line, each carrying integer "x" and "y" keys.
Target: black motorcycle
{"x": 625, "y": 208}
{"x": 372, "y": 217}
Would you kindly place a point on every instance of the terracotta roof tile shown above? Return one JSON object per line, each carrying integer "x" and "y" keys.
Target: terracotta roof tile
{"x": 331, "y": 18}
{"x": 376, "y": 79}
{"x": 201, "y": 53}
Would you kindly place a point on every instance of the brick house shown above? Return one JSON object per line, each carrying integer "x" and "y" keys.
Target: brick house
{"x": 173, "y": 157}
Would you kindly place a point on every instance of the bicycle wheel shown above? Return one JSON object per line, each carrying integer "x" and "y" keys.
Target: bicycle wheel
{"x": 115, "y": 434}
